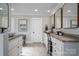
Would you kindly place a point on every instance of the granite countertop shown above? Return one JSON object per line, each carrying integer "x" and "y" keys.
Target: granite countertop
{"x": 66, "y": 37}
{"x": 15, "y": 36}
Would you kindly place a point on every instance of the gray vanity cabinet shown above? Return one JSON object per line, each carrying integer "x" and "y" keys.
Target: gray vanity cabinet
{"x": 15, "y": 46}
{"x": 56, "y": 47}
{"x": 3, "y": 44}
{"x": 71, "y": 48}
{"x": 61, "y": 48}
{"x": 46, "y": 40}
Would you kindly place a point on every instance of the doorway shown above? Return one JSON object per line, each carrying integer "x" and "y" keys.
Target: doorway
{"x": 36, "y": 30}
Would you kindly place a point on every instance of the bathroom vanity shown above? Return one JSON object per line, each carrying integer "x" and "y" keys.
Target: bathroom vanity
{"x": 65, "y": 45}
{"x": 15, "y": 45}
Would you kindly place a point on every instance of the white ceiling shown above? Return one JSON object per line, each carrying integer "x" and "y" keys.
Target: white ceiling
{"x": 70, "y": 9}
{"x": 28, "y": 8}
{"x": 3, "y": 9}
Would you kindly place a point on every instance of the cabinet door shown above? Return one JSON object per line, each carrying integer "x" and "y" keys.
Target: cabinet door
{"x": 57, "y": 52}
{"x": 57, "y": 47}
{"x": 15, "y": 46}
{"x": 71, "y": 49}
{"x": 46, "y": 40}
{"x": 20, "y": 44}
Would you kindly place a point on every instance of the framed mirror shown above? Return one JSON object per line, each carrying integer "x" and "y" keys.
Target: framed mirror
{"x": 22, "y": 25}
{"x": 58, "y": 19}
{"x": 70, "y": 15}
{"x": 4, "y": 15}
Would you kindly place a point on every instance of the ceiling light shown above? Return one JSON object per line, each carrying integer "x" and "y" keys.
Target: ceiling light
{"x": 48, "y": 10}
{"x": 68, "y": 10}
{"x": 1, "y": 8}
{"x": 36, "y": 10}
{"x": 12, "y": 9}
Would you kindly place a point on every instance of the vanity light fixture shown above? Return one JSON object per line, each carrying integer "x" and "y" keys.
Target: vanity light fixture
{"x": 1, "y": 8}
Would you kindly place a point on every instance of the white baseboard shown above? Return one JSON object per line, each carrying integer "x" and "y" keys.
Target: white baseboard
{"x": 32, "y": 42}
{"x": 28, "y": 42}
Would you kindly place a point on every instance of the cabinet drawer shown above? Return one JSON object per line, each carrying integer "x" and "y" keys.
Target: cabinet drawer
{"x": 57, "y": 52}
{"x": 57, "y": 46}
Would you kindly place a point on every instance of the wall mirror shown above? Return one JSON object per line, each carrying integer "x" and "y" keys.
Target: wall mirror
{"x": 58, "y": 18}
{"x": 4, "y": 15}
{"x": 22, "y": 25}
{"x": 70, "y": 15}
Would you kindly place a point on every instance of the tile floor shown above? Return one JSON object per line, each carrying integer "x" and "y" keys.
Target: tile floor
{"x": 34, "y": 49}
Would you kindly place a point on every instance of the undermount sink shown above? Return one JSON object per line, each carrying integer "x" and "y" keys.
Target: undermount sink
{"x": 11, "y": 35}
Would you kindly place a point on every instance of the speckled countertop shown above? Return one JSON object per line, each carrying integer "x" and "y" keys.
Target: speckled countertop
{"x": 15, "y": 36}
{"x": 66, "y": 37}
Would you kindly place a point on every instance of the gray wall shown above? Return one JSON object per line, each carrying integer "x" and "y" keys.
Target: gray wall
{"x": 1, "y": 44}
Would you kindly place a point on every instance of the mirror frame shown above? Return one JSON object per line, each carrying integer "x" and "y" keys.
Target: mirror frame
{"x": 8, "y": 15}
{"x": 77, "y": 14}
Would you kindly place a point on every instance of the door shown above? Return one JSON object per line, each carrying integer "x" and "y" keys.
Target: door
{"x": 36, "y": 30}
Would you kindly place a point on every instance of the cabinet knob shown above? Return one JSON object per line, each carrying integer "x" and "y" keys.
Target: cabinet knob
{"x": 55, "y": 50}
{"x": 18, "y": 46}
{"x": 33, "y": 32}
{"x": 55, "y": 43}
